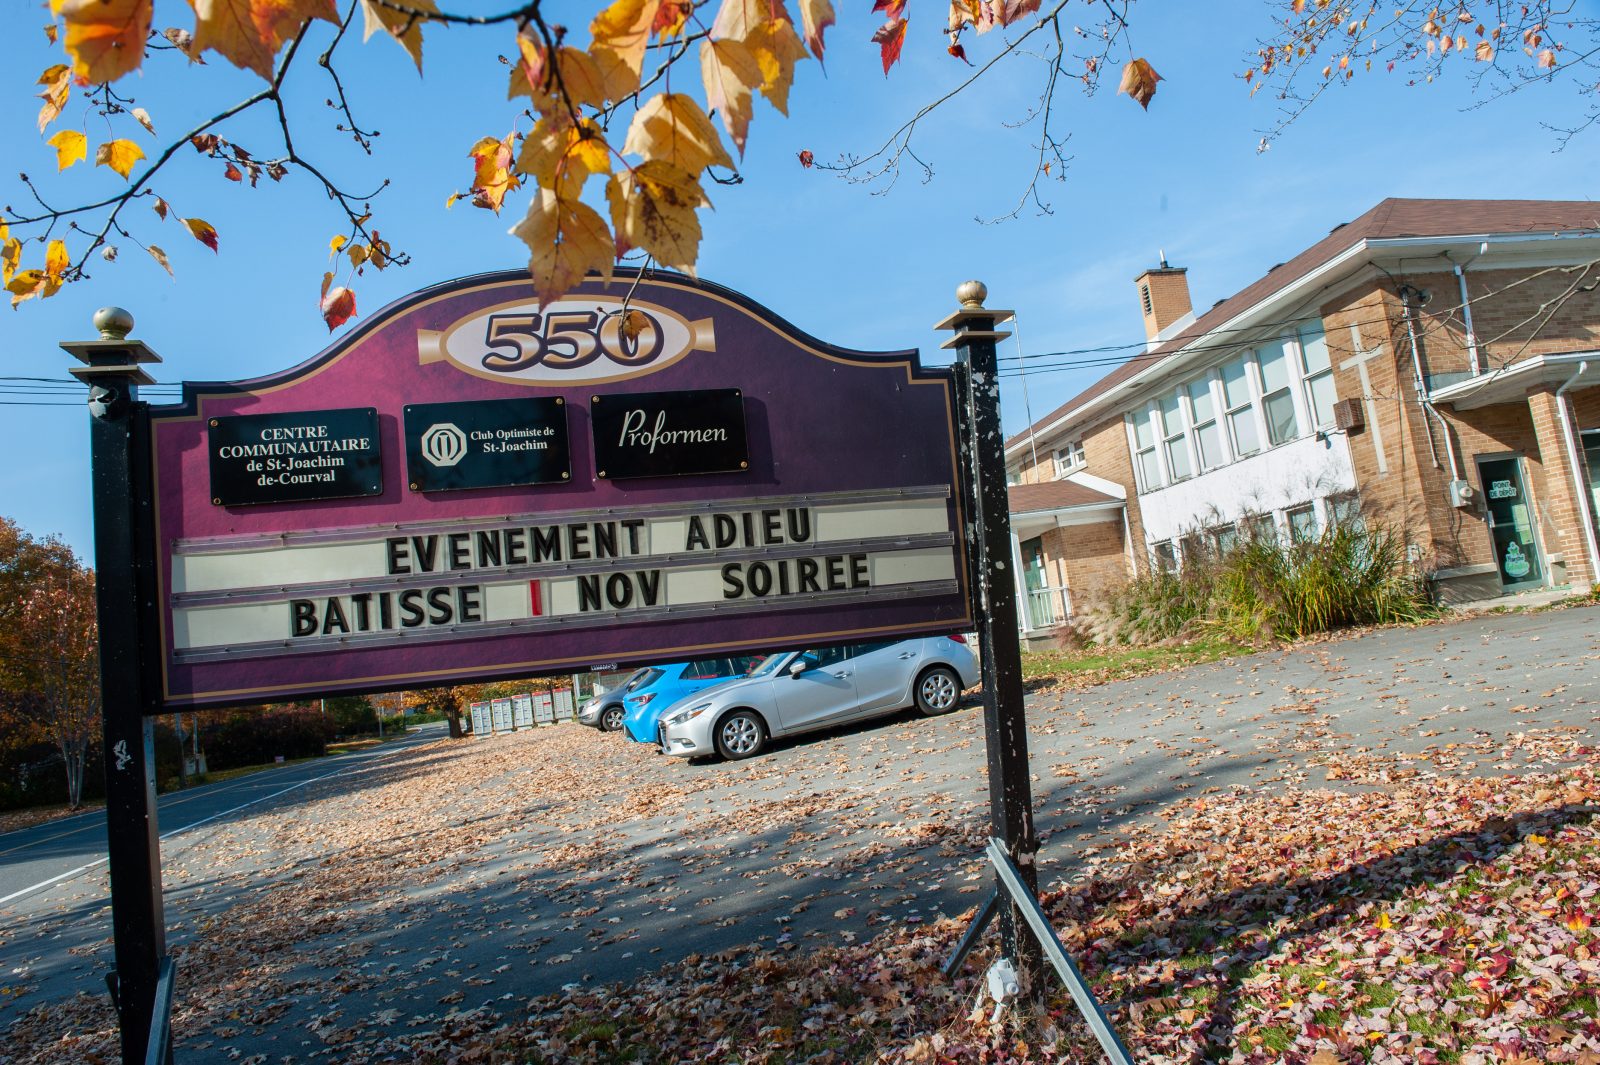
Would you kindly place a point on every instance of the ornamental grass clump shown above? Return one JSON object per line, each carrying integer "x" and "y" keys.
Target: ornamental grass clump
{"x": 1264, "y": 588}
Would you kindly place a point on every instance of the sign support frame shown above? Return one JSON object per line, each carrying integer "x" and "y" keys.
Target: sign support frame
{"x": 1026, "y": 935}
{"x": 125, "y": 590}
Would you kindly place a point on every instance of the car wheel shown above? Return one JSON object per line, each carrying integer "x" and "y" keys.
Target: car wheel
{"x": 938, "y": 691}
{"x": 740, "y": 735}
{"x": 611, "y": 719}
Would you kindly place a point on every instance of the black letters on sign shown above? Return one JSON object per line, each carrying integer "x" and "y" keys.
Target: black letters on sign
{"x": 486, "y": 444}
{"x": 296, "y": 456}
{"x": 669, "y": 434}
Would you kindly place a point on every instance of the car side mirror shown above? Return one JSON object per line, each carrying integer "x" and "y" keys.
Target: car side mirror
{"x": 797, "y": 667}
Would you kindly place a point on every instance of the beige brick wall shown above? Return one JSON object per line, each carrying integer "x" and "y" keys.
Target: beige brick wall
{"x": 1093, "y": 558}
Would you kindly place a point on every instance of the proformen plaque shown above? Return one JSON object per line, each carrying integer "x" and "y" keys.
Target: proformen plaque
{"x": 486, "y": 444}
{"x": 294, "y": 456}
{"x": 669, "y": 434}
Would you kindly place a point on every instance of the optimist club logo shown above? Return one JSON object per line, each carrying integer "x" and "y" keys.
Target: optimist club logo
{"x": 580, "y": 340}
{"x": 444, "y": 445}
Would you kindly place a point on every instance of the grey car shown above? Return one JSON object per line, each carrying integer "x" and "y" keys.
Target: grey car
{"x": 604, "y": 711}
{"x": 799, "y": 691}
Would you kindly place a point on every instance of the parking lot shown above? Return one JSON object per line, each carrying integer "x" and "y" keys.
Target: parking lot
{"x": 451, "y": 876}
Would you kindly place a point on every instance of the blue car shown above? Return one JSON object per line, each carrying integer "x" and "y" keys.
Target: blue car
{"x": 661, "y": 686}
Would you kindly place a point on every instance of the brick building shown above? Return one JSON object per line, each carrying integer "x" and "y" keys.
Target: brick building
{"x": 1433, "y": 363}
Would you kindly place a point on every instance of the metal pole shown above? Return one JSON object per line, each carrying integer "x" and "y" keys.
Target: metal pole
{"x": 124, "y": 589}
{"x": 1004, "y": 717}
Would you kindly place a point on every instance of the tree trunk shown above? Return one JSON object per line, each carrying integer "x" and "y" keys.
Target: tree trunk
{"x": 454, "y": 717}
{"x": 74, "y": 755}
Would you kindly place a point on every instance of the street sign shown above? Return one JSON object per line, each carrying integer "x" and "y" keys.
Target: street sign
{"x": 730, "y": 484}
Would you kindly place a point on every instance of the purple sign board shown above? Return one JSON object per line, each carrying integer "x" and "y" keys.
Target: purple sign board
{"x": 839, "y": 520}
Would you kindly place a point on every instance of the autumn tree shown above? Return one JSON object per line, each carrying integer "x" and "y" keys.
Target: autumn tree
{"x": 49, "y": 648}
{"x": 448, "y": 701}
{"x": 614, "y": 137}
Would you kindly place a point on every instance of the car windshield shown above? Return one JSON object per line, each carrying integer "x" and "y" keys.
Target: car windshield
{"x": 766, "y": 665}
{"x": 636, "y": 680}
{"x": 645, "y": 677}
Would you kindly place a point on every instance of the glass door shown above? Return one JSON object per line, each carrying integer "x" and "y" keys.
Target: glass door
{"x": 1039, "y": 614}
{"x": 1510, "y": 519}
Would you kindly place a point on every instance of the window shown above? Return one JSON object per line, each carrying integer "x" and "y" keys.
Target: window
{"x": 1172, "y": 431}
{"x": 1165, "y": 555}
{"x": 1207, "y": 436}
{"x": 1145, "y": 445}
{"x": 1302, "y": 523}
{"x": 1226, "y": 538}
{"x": 1261, "y": 528}
{"x": 1277, "y": 400}
{"x": 1013, "y": 476}
{"x": 1241, "y": 414}
{"x": 1069, "y": 458}
{"x": 1318, "y": 373}
{"x": 1344, "y": 511}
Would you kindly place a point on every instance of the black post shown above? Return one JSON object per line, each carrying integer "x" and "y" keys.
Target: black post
{"x": 1004, "y": 717}
{"x": 119, "y": 450}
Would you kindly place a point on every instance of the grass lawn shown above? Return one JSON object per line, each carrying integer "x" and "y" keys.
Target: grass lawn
{"x": 1057, "y": 670}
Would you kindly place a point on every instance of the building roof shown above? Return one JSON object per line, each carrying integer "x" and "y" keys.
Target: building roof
{"x": 1393, "y": 219}
{"x": 1056, "y": 495}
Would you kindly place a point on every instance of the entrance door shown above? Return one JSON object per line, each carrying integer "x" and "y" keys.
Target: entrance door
{"x": 1510, "y": 522}
{"x": 1039, "y": 614}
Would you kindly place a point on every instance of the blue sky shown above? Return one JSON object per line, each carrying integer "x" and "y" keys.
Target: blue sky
{"x": 840, "y": 260}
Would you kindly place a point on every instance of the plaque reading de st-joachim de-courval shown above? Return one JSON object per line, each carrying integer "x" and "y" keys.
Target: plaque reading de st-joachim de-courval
{"x": 295, "y": 456}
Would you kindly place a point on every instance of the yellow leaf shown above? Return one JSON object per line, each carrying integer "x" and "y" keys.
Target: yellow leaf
{"x": 202, "y": 231}
{"x": 653, "y": 208}
{"x": 777, "y": 48}
{"x": 450, "y": 200}
{"x": 577, "y": 75}
{"x": 1139, "y": 81}
{"x": 358, "y": 255}
{"x": 403, "y": 27}
{"x": 56, "y": 260}
{"x": 57, "y": 82}
{"x": 671, "y": 127}
{"x": 492, "y": 176}
{"x": 10, "y": 256}
{"x": 1384, "y": 922}
{"x": 620, "y": 34}
{"x": 26, "y": 285}
{"x": 737, "y": 19}
{"x": 141, "y": 116}
{"x": 566, "y": 239}
{"x": 119, "y": 155}
{"x": 105, "y": 38}
{"x": 161, "y": 257}
{"x": 336, "y": 243}
{"x": 561, "y": 156}
{"x": 71, "y": 147}
{"x": 248, "y": 33}
{"x": 730, "y": 72}
{"x": 816, "y": 15}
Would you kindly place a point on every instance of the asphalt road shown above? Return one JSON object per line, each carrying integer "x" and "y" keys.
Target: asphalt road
{"x": 445, "y": 877}
{"x": 35, "y": 859}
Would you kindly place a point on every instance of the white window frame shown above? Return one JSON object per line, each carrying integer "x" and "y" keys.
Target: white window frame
{"x": 1075, "y": 460}
{"x": 1212, "y": 382}
{"x": 1250, "y": 408}
{"x": 1146, "y": 412}
{"x": 1308, "y": 378}
{"x": 1179, "y": 437}
{"x": 1291, "y": 371}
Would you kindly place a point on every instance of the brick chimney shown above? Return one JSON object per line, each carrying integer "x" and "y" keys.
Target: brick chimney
{"x": 1163, "y": 297}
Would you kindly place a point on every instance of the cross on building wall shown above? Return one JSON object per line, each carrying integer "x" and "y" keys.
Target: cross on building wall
{"x": 1359, "y": 360}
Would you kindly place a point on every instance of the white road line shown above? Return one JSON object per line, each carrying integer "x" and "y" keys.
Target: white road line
{"x": 179, "y": 831}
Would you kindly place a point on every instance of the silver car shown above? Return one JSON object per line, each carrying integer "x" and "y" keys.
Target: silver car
{"x": 797, "y": 691}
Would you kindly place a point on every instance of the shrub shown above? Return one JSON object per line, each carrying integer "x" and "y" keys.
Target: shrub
{"x": 1262, "y": 589}
{"x": 257, "y": 736}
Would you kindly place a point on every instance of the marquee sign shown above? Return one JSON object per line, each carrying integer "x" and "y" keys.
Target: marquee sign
{"x": 492, "y": 489}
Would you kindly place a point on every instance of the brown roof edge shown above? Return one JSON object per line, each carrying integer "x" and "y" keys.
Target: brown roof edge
{"x": 1055, "y": 495}
{"x": 1392, "y": 218}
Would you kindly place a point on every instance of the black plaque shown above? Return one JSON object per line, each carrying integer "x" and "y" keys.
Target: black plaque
{"x": 486, "y": 444}
{"x": 669, "y": 434}
{"x": 294, "y": 457}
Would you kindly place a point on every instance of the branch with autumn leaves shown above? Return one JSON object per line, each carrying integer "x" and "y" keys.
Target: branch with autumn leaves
{"x": 616, "y": 169}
